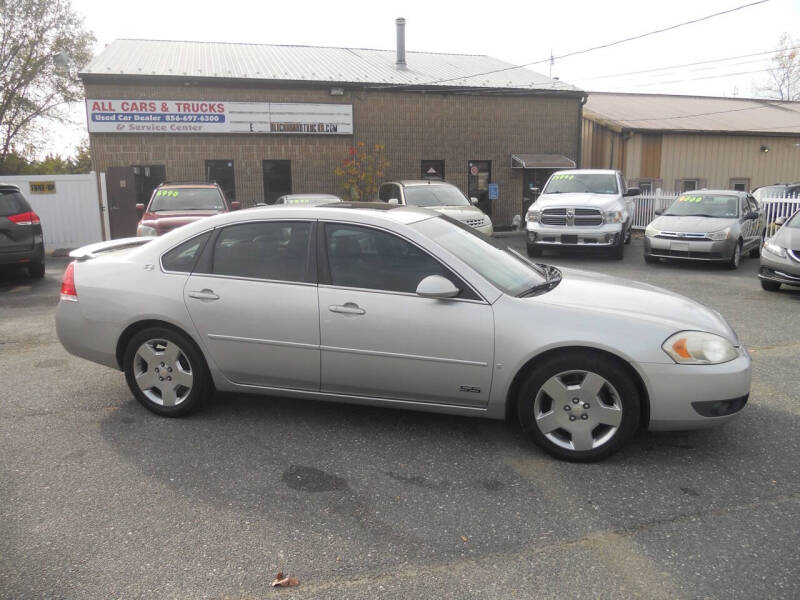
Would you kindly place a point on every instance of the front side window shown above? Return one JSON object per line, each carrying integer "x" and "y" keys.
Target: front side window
{"x": 705, "y": 205}
{"x": 276, "y": 250}
{"x": 362, "y": 257}
{"x": 501, "y": 268}
{"x": 435, "y": 195}
{"x": 186, "y": 199}
{"x": 388, "y": 191}
{"x": 582, "y": 183}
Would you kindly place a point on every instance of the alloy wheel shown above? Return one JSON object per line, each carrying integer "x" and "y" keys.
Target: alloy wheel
{"x": 162, "y": 372}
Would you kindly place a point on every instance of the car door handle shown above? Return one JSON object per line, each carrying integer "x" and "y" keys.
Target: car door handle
{"x": 348, "y": 308}
{"x": 205, "y": 294}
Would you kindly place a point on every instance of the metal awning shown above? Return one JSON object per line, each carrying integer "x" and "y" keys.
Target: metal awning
{"x": 541, "y": 161}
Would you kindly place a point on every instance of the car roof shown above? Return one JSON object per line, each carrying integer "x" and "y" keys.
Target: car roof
{"x": 722, "y": 192}
{"x": 412, "y": 182}
{"x": 587, "y": 171}
{"x": 10, "y": 186}
{"x": 310, "y": 196}
{"x": 187, "y": 184}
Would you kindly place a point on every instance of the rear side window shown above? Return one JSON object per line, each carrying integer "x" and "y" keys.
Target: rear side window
{"x": 12, "y": 203}
{"x": 276, "y": 250}
{"x": 182, "y": 258}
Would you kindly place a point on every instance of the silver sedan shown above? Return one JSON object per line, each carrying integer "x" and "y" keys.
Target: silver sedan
{"x": 398, "y": 307}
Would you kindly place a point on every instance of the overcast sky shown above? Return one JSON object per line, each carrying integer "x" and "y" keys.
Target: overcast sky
{"x": 514, "y": 31}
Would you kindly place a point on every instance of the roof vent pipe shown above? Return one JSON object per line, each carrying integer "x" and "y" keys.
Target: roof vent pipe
{"x": 401, "y": 43}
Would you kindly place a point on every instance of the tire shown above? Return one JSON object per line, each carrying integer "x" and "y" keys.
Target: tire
{"x": 650, "y": 260}
{"x": 770, "y": 286}
{"x": 594, "y": 433}
{"x": 36, "y": 270}
{"x": 618, "y": 250}
{"x": 166, "y": 353}
{"x": 629, "y": 236}
{"x": 533, "y": 251}
{"x": 755, "y": 251}
{"x": 736, "y": 258}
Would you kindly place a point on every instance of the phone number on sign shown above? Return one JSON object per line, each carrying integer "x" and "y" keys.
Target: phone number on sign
{"x": 194, "y": 118}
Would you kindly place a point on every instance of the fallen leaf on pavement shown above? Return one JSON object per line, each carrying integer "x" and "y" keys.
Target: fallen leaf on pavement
{"x": 464, "y": 539}
{"x": 281, "y": 581}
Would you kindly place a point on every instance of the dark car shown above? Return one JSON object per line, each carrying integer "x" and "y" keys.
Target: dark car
{"x": 176, "y": 204}
{"x": 21, "y": 242}
{"x": 777, "y": 190}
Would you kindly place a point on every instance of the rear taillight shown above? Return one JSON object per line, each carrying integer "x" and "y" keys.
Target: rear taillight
{"x": 26, "y": 218}
{"x": 68, "y": 291}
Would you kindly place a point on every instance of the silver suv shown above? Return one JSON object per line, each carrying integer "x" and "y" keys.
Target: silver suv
{"x": 588, "y": 208}
{"x": 440, "y": 196}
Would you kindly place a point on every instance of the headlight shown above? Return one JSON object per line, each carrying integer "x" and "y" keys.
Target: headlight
{"x": 699, "y": 348}
{"x": 651, "y": 231}
{"x": 613, "y": 216}
{"x": 145, "y": 231}
{"x": 772, "y": 248}
{"x": 720, "y": 235}
{"x": 533, "y": 216}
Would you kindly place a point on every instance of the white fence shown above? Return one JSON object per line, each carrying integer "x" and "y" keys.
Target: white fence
{"x": 67, "y": 205}
{"x": 647, "y": 204}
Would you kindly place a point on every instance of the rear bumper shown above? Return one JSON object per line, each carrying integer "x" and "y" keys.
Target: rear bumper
{"x": 601, "y": 235}
{"x": 93, "y": 341}
{"x": 22, "y": 257}
{"x": 689, "y": 249}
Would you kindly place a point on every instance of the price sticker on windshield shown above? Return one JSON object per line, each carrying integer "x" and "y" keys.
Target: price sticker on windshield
{"x": 560, "y": 177}
{"x": 690, "y": 199}
{"x": 170, "y": 193}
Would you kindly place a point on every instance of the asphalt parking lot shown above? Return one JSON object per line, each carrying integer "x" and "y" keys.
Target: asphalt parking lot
{"x": 101, "y": 499}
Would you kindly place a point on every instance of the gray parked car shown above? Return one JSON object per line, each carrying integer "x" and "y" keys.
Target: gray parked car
{"x": 712, "y": 225}
{"x": 398, "y": 307}
{"x": 780, "y": 255}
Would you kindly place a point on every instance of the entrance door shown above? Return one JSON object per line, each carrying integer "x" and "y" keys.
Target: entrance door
{"x": 533, "y": 180}
{"x": 480, "y": 175}
{"x": 221, "y": 172}
{"x": 121, "y": 189}
{"x": 277, "y": 179}
{"x": 148, "y": 178}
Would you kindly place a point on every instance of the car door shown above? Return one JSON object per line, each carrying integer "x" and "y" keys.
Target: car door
{"x": 253, "y": 299}
{"x": 380, "y": 339}
{"x": 758, "y": 224}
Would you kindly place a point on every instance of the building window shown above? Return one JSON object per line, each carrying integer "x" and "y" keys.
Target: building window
{"x": 277, "y": 179}
{"x": 479, "y": 176}
{"x": 740, "y": 184}
{"x": 221, "y": 173}
{"x": 646, "y": 185}
{"x": 432, "y": 169}
{"x": 687, "y": 185}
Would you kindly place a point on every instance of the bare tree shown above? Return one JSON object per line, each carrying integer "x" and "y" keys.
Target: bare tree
{"x": 784, "y": 74}
{"x": 42, "y": 44}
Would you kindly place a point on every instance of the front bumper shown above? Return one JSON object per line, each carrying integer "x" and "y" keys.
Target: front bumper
{"x": 487, "y": 230}
{"x": 696, "y": 396}
{"x": 548, "y": 235}
{"x": 689, "y": 249}
{"x": 780, "y": 270}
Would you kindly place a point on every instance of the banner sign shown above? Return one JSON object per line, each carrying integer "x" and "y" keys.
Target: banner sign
{"x": 203, "y": 116}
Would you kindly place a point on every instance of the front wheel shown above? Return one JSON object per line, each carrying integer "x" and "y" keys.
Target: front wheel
{"x": 533, "y": 250}
{"x": 579, "y": 406}
{"x": 617, "y": 251}
{"x": 736, "y": 257}
{"x": 650, "y": 260}
{"x": 166, "y": 372}
{"x": 755, "y": 252}
{"x": 770, "y": 286}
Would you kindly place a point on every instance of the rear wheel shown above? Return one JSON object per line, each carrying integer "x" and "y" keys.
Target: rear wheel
{"x": 650, "y": 259}
{"x": 579, "y": 406}
{"x": 36, "y": 270}
{"x": 770, "y": 286}
{"x": 736, "y": 257}
{"x": 165, "y": 372}
{"x": 533, "y": 250}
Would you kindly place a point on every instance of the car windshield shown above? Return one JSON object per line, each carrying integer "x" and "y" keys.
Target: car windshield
{"x": 187, "y": 199}
{"x": 435, "y": 195}
{"x": 505, "y": 271}
{"x": 582, "y": 183}
{"x": 705, "y": 205}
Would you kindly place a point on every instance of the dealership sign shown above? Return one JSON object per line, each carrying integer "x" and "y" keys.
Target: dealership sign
{"x": 203, "y": 116}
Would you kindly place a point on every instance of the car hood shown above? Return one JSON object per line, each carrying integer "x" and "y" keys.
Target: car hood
{"x": 788, "y": 237}
{"x": 459, "y": 213}
{"x": 164, "y": 221}
{"x": 691, "y": 224}
{"x": 595, "y": 293}
{"x": 601, "y": 201}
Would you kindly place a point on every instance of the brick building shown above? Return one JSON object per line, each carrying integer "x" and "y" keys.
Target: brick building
{"x": 265, "y": 120}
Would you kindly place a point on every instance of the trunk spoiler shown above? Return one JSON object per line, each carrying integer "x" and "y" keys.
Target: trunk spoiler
{"x": 95, "y": 250}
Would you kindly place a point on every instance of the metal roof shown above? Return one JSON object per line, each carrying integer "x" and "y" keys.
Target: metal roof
{"x": 312, "y": 63}
{"x": 659, "y": 112}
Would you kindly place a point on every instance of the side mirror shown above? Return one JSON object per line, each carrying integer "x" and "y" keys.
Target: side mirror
{"x": 436, "y": 286}
{"x": 659, "y": 211}
{"x": 633, "y": 191}
{"x": 780, "y": 221}
{"x": 139, "y": 207}
{"x": 236, "y": 205}
{"x": 752, "y": 215}
{"x": 473, "y": 201}
{"x": 393, "y": 201}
